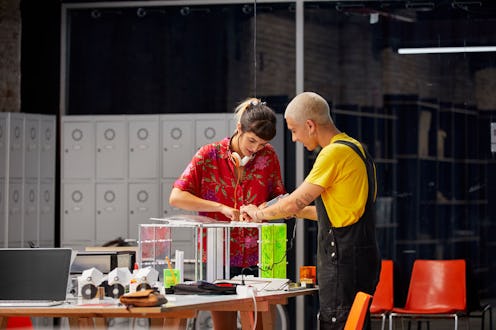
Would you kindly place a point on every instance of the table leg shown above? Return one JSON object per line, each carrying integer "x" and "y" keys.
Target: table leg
{"x": 3, "y": 322}
{"x": 267, "y": 318}
{"x": 80, "y": 323}
{"x": 247, "y": 320}
{"x": 264, "y": 320}
{"x": 168, "y": 323}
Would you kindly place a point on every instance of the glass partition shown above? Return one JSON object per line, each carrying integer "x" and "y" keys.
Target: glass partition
{"x": 424, "y": 115}
{"x": 125, "y": 59}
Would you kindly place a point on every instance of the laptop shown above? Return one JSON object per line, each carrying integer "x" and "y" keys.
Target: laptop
{"x": 34, "y": 277}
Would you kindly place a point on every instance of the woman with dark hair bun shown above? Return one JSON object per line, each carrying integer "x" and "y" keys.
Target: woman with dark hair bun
{"x": 224, "y": 175}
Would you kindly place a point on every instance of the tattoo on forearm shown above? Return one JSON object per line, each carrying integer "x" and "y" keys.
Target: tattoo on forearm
{"x": 300, "y": 204}
{"x": 306, "y": 200}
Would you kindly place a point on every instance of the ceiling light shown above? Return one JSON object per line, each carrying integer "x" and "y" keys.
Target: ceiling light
{"x": 442, "y": 50}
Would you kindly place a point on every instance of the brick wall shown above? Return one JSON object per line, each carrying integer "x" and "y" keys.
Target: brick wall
{"x": 10, "y": 56}
{"x": 486, "y": 85}
{"x": 340, "y": 62}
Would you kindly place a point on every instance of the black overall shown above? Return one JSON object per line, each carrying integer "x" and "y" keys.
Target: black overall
{"x": 348, "y": 258}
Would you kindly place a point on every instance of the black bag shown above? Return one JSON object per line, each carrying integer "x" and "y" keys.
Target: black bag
{"x": 205, "y": 288}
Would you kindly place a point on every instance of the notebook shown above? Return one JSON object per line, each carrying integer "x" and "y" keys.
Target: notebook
{"x": 34, "y": 277}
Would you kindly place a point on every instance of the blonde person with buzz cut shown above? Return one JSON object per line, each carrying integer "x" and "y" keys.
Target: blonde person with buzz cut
{"x": 342, "y": 184}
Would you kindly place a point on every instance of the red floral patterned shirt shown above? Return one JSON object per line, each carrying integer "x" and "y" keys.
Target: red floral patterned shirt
{"x": 211, "y": 175}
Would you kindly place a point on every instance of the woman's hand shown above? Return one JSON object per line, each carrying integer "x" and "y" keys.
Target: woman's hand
{"x": 249, "y": 213}
{"x": 232, "y": 213}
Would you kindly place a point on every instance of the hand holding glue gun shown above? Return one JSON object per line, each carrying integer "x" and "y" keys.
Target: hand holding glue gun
{"x": 246, "y": 210}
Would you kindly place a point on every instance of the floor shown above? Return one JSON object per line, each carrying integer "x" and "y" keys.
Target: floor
{"x": 204, "y": 324}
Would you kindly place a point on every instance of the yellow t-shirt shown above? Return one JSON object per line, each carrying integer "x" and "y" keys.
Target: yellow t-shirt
{"x": 343, "y": 175}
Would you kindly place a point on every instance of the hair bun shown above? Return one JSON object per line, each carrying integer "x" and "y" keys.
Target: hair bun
{"x": 256, "y": 103}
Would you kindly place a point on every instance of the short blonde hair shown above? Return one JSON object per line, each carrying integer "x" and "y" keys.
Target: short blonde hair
{"x": 309, "y": 105}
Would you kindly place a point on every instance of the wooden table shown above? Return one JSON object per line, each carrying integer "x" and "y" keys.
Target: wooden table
{"x": 172, "y": 315}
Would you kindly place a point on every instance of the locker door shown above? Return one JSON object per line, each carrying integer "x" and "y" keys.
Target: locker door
{"x": 232, "y": 122}
{"x": 143, "y": 148}
{"x": 78, "y": 218}
{"x": 143, "y": 205}
{"x": 16, "y": 151}
{"x": 31, "y": 147}
{"x": 210, "y": 129}
{"x": 3, "y": 147}
{"x": 111, "y": 149}
{"x": 30, "y": 209}
{"x": 166, "y": 209}
{"x": 78, "y": 148}
{"x": 48, "y": 135}
{"x": 15, "y": 213}
{"x": 177, "y": 146}
{"x": 183, "y": 238}
{"x": 47, "y": 214}
{"x": 111, "y": 211}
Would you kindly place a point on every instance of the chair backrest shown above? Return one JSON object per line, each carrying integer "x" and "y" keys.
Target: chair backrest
{"x": 383, "y": 299}
{"x": 358, "y": 311}
{"x": 437, "y": 285}
{"x": 19, "y": 322}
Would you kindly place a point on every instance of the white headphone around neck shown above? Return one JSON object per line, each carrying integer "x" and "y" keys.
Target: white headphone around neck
{"x": 238, "y": 162}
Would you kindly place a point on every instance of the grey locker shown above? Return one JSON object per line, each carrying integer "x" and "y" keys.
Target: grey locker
{"x": 183, "y": 238}
{"x": 30, "y": 209}
{"x": 15, "y": 213}
{"x": 78, "y": 150}
{"x": 143, "y": 205}
{"x": 16, "y": 152}
{"x": 167, "y": 210}
{"x": 209, "y": 129}
{"x": 185, "y": 235}
{"x": 20, "y": 171}
{"x": 111, "y": 149}
{"x": 78, "y": 212}
{"x": 232, "y": 121}
{"x": 3, "y": 145}
{"x": 111, "y": 211}
{"x": 48, "y": 136}
{"x": 47, "y": 214}
{"x": 143, "y": 147}
{"x": 31, "y": 147}
{"x": 178, "y": 145}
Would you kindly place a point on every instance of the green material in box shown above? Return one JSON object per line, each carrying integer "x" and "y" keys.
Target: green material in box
{"x": 169, "y": 278}
{"x": 273, "y": 251}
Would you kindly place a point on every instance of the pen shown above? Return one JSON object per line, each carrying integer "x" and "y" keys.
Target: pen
{"x": 171, "y": 270}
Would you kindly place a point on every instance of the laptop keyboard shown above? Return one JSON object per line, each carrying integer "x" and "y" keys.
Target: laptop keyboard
{"x": 29, "y": 303}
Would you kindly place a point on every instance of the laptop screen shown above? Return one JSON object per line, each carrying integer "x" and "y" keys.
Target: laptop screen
{"x": 34, "y": 274}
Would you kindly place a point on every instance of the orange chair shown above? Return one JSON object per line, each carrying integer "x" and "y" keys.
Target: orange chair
{"x": 383, "y": 299}
{"x": 19, "y": 322}
{"x": 358, "y": 311}
{"x": 437, "y": 290}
